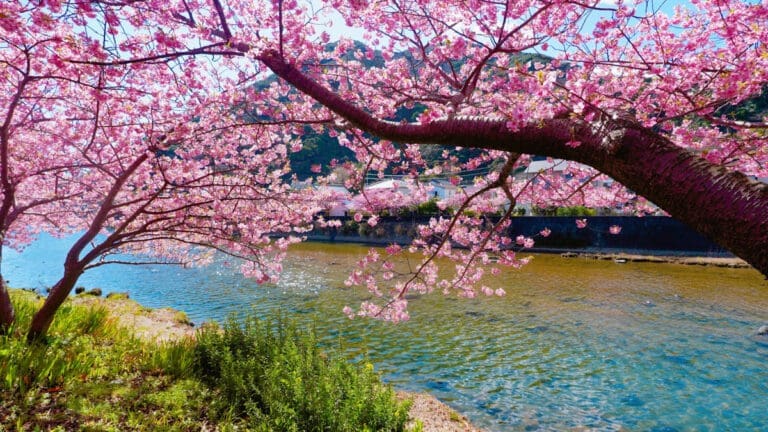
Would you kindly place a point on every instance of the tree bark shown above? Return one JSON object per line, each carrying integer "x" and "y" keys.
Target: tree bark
{"x": 727, "y": 207}
{"x": 43, "y": 318}
{"x": 7, "y": 315}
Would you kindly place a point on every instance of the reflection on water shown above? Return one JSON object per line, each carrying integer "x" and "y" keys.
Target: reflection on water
{"x": 575, "y": 344}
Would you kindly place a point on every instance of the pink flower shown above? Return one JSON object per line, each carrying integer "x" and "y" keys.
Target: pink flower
{"x": 545, "y": 232}
{"x": 393, "y": 249}
{"x": 614, "y": 229}
{"x": 528, "y": 243}
{"x": 581, "y": 223}
{"x": 500, "y": 292}
{"x": 316, "y": 168}
{"x": 520, "y": 240}
{"x": 573, "y": 144}
{"x": 348, "y": 312}
{"x": 358, "y": 217}
{"x": 373, "y": 220}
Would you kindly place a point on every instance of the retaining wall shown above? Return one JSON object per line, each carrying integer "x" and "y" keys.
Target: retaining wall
{"x": 651, "y": 235}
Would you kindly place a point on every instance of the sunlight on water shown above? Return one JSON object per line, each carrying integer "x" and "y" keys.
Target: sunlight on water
{"x": 576, "y": 344}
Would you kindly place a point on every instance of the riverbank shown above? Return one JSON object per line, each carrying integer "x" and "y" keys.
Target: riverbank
{"x": 650, "y": 235}
{"x": 623, "y": 257}
{"x": 166, "y": 324}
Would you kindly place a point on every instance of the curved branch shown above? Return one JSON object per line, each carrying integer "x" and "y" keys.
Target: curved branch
{"x": 239, "y": 51}
{"x": 728, "y": 207}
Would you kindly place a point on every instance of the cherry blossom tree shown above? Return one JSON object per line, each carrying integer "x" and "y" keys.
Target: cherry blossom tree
{"x": 141, "y": 163}
{"x": 639, "y": 94}
{"x": 648, "y": 97}
{"x": 35, "y": 169}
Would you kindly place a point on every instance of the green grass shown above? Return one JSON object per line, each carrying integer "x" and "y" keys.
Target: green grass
{"x": 251, "y": 375}
{"x": 274, "y": 375}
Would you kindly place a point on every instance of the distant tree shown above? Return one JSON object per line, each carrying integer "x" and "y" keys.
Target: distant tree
{"x": 319, "y": 152}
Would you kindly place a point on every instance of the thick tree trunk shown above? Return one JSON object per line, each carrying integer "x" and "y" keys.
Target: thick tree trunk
{"x": 6, "y": 307}
{"x": 74, "y": 265}
{"x": 43, "y": 318}
{"x": 728, "y": 207}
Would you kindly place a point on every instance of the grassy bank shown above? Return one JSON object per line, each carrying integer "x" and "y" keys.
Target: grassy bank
{"x": 94, "y": 374}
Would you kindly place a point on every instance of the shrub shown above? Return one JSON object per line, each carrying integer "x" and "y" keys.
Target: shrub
{"x": 428, "y": 208}
{"x": 349, "y": 227}
{"x": 364, "y": 229}
{"x": 575, "y": 211}
{"x": 274, "y": 375}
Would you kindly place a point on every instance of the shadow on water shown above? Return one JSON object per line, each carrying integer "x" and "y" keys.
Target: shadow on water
{"x": 574, "y": 344}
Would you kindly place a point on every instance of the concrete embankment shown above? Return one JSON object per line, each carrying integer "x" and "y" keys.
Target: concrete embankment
{"x": 665, "y": 238}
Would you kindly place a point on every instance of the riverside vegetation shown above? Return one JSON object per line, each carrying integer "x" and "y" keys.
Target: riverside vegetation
{"x": 261, "y": 375}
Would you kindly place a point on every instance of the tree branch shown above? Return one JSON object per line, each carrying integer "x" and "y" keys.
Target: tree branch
{"x": 728, "y": 207}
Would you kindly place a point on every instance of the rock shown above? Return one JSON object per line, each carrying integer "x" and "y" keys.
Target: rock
{"x": 94, "y": 292}
{"x": 763, "y": 330}
{"x": 180, "y": 317}
{"x": 79, "y": 290}
{"x": 118, "y": 296}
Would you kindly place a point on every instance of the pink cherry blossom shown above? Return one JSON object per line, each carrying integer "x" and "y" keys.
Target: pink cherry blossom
{"x": 393, "y": 249}
{"x": 159, "y": 128}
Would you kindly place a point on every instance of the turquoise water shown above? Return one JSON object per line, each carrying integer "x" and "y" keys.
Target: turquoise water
{"x": 575, "y": 345}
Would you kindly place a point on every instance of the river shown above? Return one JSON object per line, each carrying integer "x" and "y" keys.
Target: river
{"x": 575, "y": 345}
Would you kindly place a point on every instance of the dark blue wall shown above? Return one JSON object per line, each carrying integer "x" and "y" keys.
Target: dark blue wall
{"x": 647, "y": 235}
{"x": 637, "y": 233}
